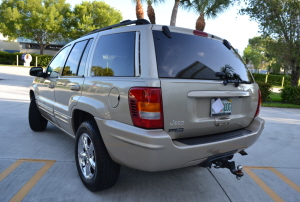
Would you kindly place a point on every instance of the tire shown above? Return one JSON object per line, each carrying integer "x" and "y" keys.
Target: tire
{"x": 36, "y": 121}
{"x": 98, "y": 171}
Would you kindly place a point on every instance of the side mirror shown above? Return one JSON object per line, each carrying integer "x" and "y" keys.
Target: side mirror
{"x": 36, "y": 71}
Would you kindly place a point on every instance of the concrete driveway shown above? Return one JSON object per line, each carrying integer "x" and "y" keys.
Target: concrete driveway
{"x": 39, "y": 166}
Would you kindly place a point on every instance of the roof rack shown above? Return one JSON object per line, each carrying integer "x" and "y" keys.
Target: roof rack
{"x": 123, "y": 23}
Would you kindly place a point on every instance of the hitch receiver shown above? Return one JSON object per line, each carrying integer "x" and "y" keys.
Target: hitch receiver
{"x": 222, "y": 161}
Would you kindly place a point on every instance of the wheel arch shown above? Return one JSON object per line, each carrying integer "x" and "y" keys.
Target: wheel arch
{"x": 79, "y": 116}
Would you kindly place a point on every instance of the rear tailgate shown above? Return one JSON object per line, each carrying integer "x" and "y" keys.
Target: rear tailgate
{"x": 188, "y": 107}
{"x": 195, "y": 101}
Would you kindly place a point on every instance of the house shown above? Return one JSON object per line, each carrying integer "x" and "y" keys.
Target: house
{"x": 28, "y": 46}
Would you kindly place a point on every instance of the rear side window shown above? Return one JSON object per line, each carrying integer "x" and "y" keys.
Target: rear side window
{"x": 194, "y": 57}
{"x": 84, "y": 58}
{"x": 114, "y": 55}
{"x": 71, "y": 65}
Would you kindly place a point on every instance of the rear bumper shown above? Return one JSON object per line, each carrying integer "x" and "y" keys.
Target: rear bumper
{"x": 154, "y": 150}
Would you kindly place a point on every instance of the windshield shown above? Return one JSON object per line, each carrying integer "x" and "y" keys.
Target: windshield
{"x": 193, "y": 57}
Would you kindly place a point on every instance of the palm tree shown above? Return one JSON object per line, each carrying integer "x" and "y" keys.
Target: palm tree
{"x": 174, "y": 13}
{"x": 150, "y": 10}
{"x": 139, "y": 9}
{"x": 208, "y": 8}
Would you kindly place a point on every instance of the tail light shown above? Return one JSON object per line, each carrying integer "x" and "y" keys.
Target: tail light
{"x": 259, "y": 103}
{"x": 146, "y": 107}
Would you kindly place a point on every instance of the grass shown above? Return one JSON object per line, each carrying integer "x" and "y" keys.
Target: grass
{"x": 275, "y": 97}
{"x": 276, "y": 101}
{"x": 280, "y": 105}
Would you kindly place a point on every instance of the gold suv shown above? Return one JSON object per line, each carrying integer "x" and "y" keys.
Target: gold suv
{"x": 149, "y": 97}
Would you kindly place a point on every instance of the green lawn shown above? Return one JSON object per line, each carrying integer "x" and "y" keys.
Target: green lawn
{"x": 275, "y": 101}
{"x": 275, "y": 97}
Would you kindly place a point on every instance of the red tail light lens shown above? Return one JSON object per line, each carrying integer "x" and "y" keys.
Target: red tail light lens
{"x": 146, "y": 107}
{"x": 259, "y": 103}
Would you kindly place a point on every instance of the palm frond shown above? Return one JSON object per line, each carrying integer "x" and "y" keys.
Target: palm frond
{"x": 211, "y": 8}
{"x": 218, "y": 7}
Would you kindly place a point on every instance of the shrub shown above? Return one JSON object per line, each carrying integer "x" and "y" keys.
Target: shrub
{"x": 259, "y": 77}
{"x": 291, "y": 95}
{"x": 274, "y": 80}
{"x": 265, "y": 89}
{"x": 11, "y": 59}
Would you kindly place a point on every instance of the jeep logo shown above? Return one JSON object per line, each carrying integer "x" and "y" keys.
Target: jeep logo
{"x": 177, "y": 123}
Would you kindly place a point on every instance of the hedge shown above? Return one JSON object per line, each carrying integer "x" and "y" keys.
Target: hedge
{"x": 265, "y": 89}
{"x": 291, "y": 95}
{"x": 11, "y": 59}
{"x": 274, "y": 80}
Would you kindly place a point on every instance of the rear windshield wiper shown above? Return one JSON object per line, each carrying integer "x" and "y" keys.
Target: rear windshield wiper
{"x": 236, "y": 82}
{"x": 222, "y": 75}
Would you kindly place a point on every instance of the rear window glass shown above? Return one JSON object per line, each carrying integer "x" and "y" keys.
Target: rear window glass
{"x": 194, "y": 57}
{"x": 114, "y": 55}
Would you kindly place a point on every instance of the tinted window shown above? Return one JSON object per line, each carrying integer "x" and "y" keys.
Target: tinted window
{"x": 114, "y": 55}
{"x": 55, "y": 67}
{"x": 72, "y": 63}
{"x": 194, "y": 57}
{"x": 84, "y": 58}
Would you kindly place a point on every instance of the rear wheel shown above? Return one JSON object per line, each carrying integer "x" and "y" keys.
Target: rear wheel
{"x": 36, "y": 121}
{"x": 95, "y": 167}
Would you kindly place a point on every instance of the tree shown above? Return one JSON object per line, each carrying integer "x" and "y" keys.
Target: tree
{"x": 261, "y": 54}
{"x": 150, "y": 10}
{"x": 139, "y": 9}
{"x": 205, "y": 8}
{"x": 174, "y": 13}
{"x": 279, "y": 20}
{"x": 88, "y": 16}
{"x": 38, "y": 20}
{"x": 253, "y": 56}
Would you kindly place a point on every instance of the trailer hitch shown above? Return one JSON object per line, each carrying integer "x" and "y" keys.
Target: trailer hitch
{"x": 224, "y": 163}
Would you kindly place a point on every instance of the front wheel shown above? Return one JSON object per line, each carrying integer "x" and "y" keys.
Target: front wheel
{"x": 95, "y": 167}
{"x": 36, "y": 121}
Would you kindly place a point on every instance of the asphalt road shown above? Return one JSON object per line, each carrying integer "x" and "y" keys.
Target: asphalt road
{"x": 40, "y": 166}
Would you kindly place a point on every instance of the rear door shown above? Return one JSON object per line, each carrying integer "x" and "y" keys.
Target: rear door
{"x": 68, "y": 86}
{"x": 195, "y": 101}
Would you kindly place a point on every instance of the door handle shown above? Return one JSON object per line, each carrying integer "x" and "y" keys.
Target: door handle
{"x": 51, "y": 85}
{"x": 75, "y": 87}
{"x": 222, "y": 121}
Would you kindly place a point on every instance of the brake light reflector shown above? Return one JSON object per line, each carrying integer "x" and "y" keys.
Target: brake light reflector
{"x": 259, "y": 103}
{"x": 200, "y": 33}
{"x": 146, "y": 107}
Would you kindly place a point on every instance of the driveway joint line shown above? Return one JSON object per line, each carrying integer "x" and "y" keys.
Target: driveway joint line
{"x": 219, "y": 184}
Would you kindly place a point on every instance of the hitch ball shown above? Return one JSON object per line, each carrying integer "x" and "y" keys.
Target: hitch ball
{"x": 239, "y": 167}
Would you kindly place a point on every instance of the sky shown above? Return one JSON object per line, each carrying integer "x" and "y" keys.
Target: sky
{"x": 237, "y": 29}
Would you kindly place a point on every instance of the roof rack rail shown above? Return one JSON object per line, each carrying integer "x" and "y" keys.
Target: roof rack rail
{"x": 123, "y": 23}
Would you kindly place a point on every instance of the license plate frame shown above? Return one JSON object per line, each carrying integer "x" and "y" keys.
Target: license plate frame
{"x": 227, "y": 109}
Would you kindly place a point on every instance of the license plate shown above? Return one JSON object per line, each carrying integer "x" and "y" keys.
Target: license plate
{"x": 221, "y": 106}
